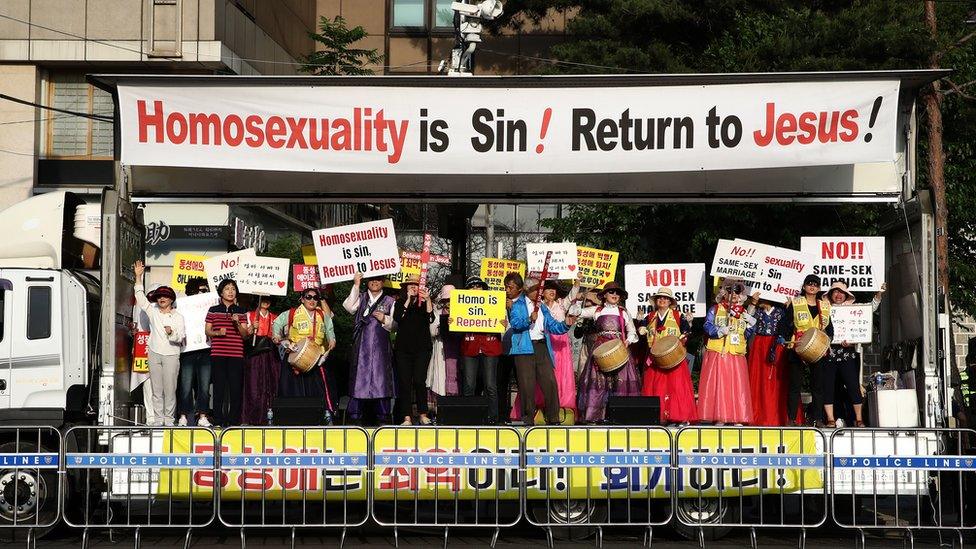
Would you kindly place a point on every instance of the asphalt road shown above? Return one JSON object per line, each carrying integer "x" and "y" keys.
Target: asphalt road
{"x": 510, "y": 538}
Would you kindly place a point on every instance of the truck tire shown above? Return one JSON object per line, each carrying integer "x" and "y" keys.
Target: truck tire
{"x": 570, "y": 518}
{"x": 709, "y": 512}
{"x": 35, "y": 492}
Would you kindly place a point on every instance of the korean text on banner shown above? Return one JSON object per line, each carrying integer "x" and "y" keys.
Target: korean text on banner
{"x": 304, "y": 277}
{"x": 477, "y": 311}
{"x": 225, "y": 266}
{"x": 494, "y": 270}
{"x": 186, "y": 266}
{"x": 858, "y": 261}
{"x": 263, "y": 276}
{"x": 409, "y": 266}
{"x": 369, "y": 248}
{"x": 596, "y": 267}
{"x": 140, "y": 353}
{"x": 194, "y": 311}
{"x": 547, "y": 130}
{"x": 686, "y": 280}
{"x": 852, "y": 323}
{"x": 562, "y": 264}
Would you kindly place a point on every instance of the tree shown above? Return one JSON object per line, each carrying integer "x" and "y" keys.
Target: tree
{"x": 335, "y": 55}
{"x": 648, "y": 36}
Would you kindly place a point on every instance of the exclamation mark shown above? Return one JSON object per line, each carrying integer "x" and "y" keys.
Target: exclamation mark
{"x": 546, "y": 115}
{"x": 681, "y": 277}
{"x": 873, "y": 119}
{"x": 859, "y": 246}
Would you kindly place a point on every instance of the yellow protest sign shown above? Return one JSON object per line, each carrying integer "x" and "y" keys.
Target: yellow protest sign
{"x": 596, "y": 267}
{"x": 477, "y": 311}
{"x": 308, "y": 255}
{"x": 408, "y": 267}
{"x": 493, "y": 271}
{"x": 186, "y": 266}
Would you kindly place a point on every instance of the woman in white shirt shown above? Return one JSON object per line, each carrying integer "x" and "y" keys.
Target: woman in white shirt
{"x": 166, "y": 332}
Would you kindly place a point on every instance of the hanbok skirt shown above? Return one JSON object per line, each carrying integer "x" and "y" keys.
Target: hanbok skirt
{"x": 723, "y": 392}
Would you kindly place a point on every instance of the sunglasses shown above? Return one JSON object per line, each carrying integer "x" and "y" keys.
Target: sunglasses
{"x": 817, "y": 284}
{"x": 310, "y": 297}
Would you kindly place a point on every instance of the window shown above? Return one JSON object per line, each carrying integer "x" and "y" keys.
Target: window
{"x": 422, "y": 14}
{"x": 38, "y": 312}
{"x": 70, "y": 136}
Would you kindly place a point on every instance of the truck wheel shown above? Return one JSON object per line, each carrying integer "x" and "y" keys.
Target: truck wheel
{"x": 27, "y": 496}
{"x": 570, "y": 519}
{"x": 709, "y": 512}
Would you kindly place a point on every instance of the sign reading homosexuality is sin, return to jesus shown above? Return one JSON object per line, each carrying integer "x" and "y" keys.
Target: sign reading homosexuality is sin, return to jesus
{"x": 477, "y": 311}
{"x": 369, "y": 248}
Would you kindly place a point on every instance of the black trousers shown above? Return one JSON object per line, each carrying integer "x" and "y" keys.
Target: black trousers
{"x": 503, "y": 371}
{"x": 227, "y": 374}
{"x": 797, "y": 372}
{"x": 847, "y": 372}
{"x": 411, "y": 370}
{"x": 537, "y": 369}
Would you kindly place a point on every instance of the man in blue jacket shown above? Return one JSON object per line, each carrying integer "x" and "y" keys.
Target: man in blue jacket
{"x": 531, "y": 348}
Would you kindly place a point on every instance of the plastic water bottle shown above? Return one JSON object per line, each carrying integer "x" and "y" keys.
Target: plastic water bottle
{"x": 878, "y": 381}
{"x": 270, "y": 416}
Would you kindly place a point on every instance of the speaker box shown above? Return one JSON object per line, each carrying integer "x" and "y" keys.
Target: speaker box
{"x": 298, "y": 411}
{"x": 634, "y": 410}
{"x": 462, "y": 410}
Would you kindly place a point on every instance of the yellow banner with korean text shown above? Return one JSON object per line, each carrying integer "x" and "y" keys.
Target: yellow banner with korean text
{"x": 596, "y": 267}
{"x": 493, "y": 271}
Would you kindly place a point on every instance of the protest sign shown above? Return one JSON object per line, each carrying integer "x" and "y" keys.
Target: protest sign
{"x": 686, "y": 280}
{"x": 781, "y": 272}
{"x": 194, "y": 310}
{"x": 140, "y": 353}
{"x": 409, "y": 266}
{"x": 477, "y": 311}
{"x": 852, "y": 323}
{"x": 596, "y": 267}
{"x": 368, "y": 248}
{"x": 304, "y": 277}
{"x": 562, "y": 264}
{"x": 734, "y": 258}
{"x": 186, "y": 266}
{"x": 225, "y": 266}
{"x": 493, "y": 271}
{"x": 858, "y": 261}
{"x": 263, "y": 276}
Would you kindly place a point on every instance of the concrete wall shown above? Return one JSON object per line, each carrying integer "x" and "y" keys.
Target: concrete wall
{"x": 18, "y": 133}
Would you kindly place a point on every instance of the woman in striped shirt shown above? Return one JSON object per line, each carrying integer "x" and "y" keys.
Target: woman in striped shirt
{"x": 226, "y": 327}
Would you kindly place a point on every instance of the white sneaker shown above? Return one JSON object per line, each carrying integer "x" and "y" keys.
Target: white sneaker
{"x": 182, "y": 421}
{"x": 203, "y": 421}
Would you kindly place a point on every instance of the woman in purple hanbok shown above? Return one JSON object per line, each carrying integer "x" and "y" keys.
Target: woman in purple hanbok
{"x": 371, "y": 361}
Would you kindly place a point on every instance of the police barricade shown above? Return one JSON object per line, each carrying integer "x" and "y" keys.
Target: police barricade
{"x": 903, "y": 480}
{"x": 138, "y": 477}
{"x": 30, "y": 490}
{"x": 447, "y": 477}
{"x": 750, "y": 477}
{"x": 597, "y": 476}
{"x": 293, "y": 477}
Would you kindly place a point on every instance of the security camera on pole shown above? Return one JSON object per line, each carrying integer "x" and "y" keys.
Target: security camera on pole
{"x": 468, "y": 19}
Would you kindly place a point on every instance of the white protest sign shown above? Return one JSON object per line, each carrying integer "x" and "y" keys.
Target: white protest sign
{"x": 858, "y": 261}
{"x": 686, "y": 280}
{"x": 852, "y": 323}
{"x": 781, "y": 271}
{"x": 369, "y": 248}
{"x": 225, "y": 266}
{"x": 563, "y": 260}
{"x": 738, "y": 259}
{"x": 194, "y": 310}
{"x": 263, "y": 276}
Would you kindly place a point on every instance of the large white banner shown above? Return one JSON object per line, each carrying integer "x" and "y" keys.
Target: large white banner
{"x": 562, "y": 262}
{"x": 686, "y": 280}
{"x": 539, "y": 130}
{"x": 369, "y": 248}
{"x": 776, "y": 273}
{"x": 194, "y": 310}
{"x": 858, "y": 261}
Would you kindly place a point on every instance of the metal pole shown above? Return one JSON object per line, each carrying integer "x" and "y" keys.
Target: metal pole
{"x": 489, "y": 229}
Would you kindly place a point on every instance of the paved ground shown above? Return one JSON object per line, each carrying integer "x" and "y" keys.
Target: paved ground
{"x": 823, "y": 538}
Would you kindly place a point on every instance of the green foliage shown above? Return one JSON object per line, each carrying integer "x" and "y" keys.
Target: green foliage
{"x": 335, "y": 54}
{"x": 675, "y": 36}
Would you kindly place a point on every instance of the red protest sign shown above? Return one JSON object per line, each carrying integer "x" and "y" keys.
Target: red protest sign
{"x": 304, "y": 277}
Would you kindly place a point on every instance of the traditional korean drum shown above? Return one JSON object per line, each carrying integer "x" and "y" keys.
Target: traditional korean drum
{"x": 812, "y": 345}
{"x": 305, "y": 355}
{"x": 668, "y": 352}
{"x": 611, "y": 356}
